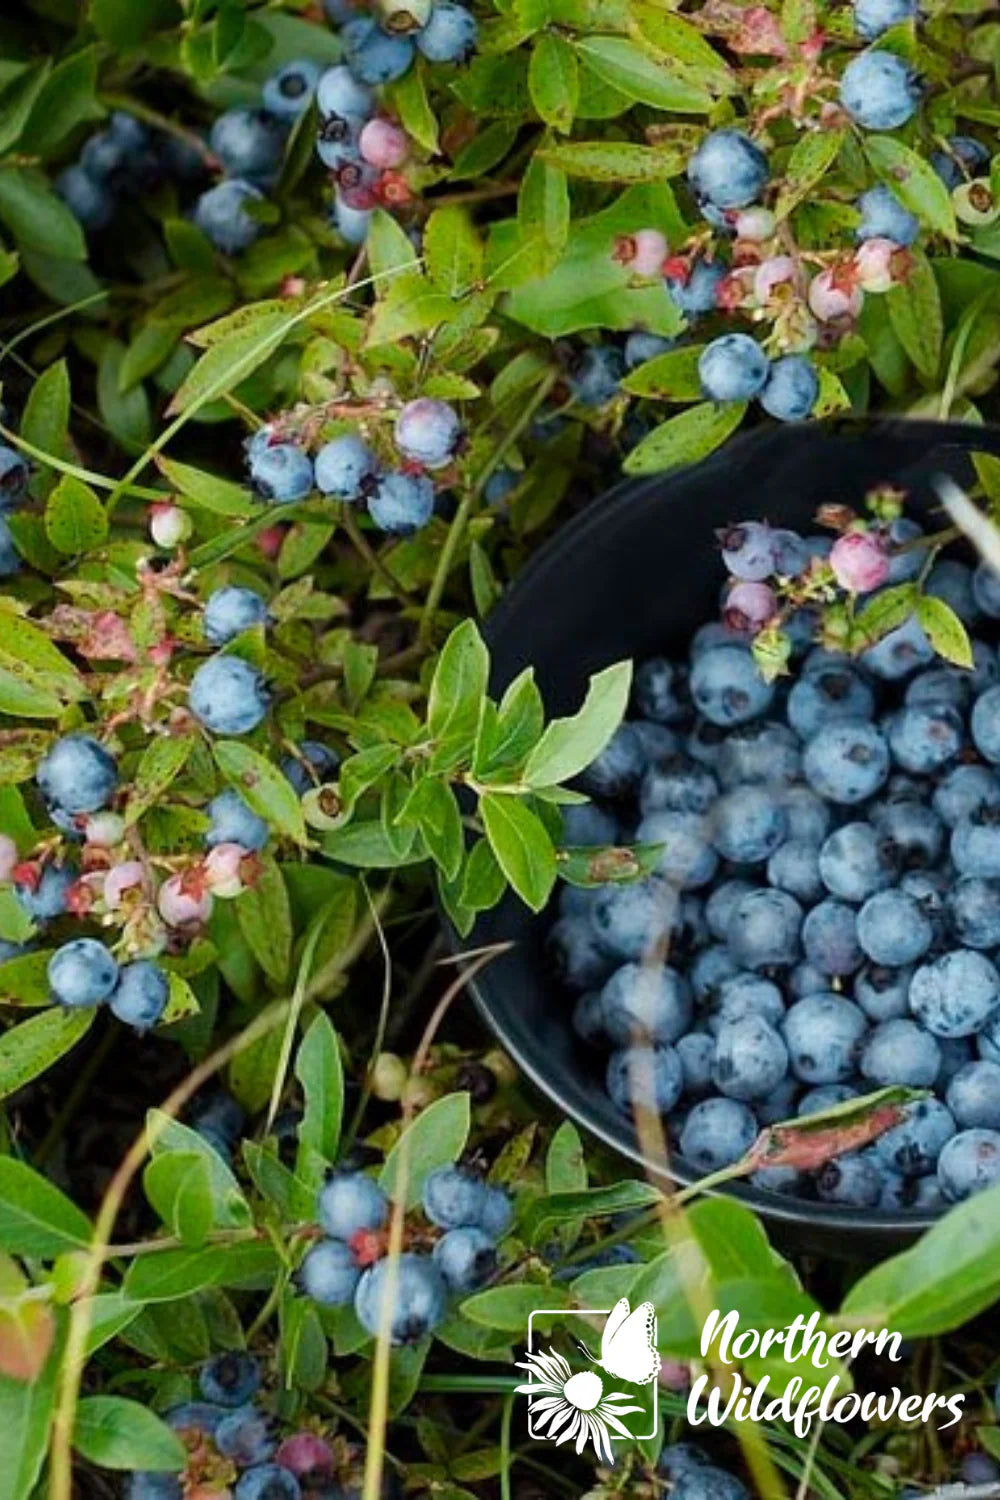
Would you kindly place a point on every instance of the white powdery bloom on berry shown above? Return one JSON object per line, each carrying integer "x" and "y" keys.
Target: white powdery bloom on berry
{"x": 223, "y": 870}
{"x": 832, "y": 294}
{"x": 873, "y": 262}
{"x": 749, "y": 606}
{"x": 183, "y": 901}
{"x": 120, "y": 879}
{"x": 859, "y": 561}
{"x": 777, "y": 271}
{"x": 169, "y": 525}
{"x": 104, "y": 830}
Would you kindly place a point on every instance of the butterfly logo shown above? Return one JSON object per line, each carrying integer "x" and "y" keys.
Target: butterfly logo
{"x": 628, "y": 1344}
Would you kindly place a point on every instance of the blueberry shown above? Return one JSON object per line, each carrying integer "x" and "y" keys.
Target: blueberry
{"x": 807, "y": 815}
{"x": 222, "y": 214}
{"x": 329, "y": 1273}
{"x": 345, "y": 467}
{"x": 288, "y": 92}
{"x": 222, "y": 1115}
{"x": 77, "y": 775}
{"x": 924, "y": 738}
{"x": 141, "y": 994}
{"x": 728, "y": 169}
{"x": 628, "y": 920}
{"x": 647, "y": 1077}
{"x": 678, "y": 785}
{"x": 720, "y": 906}
{"x": 929, "y": 888}
{"x": 846, "y": 762}
{"x": 280, "y": 472}
{"x": 974, "y": 910}
{"x": 48, "y": 898}
{"x": 195, "y": 1416}
{"x": 883, "y": 217}
{"x": 267, "y": 1482}
{"x": 951, "y": 581}
{"x": 979, "y": 1468}
{"x": 587, "y": 1019}
{"x": 428, "y": 432}
{"x": 850, "y": 1180}
{"x": 856, "y": 861}
{"x": 872, "y": 17}
{"x": 234, "y": 823}
{"x": 748, "y": 551}
{"x": 748, "y": 825}
{"x": 806, "y": 979}
{"x": 230, "y": 1379}
{"x": 893, "y": 930}
{"x": 750, "y": 1059}
{"x": 824, "y": 1097}
{"x": 794, "y": 867}
{"x": 450, "y": 34}
{"x": 704, "y": 743}
{"x": 373, "y": 55}
{"x": 342, "y": 96}
{"x": 313, "y": 764}
{"x": 792, "y": 388}
{"x": 830, "y": 938}
{"x": 778, "y": 1180}
{"x": 879, "y": 90}
{"x": 824, "y": 1034}
{"x": 419, "y": 1298}
{"x": 709, "y": 971}
{"x": 87, "y": 198}
{"x": 696, "y": 1053}
{"x": 250, "y": 144}
{"x": 765, "y": 929}
{"x": 956, "y": 1053}
{"x": 576, "y": 954}
{"x": 245, "y": 1437}
{"x": 501, "y": 483}
{"x": 709, "y": 1483}
{"x": 974, "y": 1096}
{"x": 732, "y": 367}
{"x": 696, "y": 293}
{"x": 899, "y": 1051}
{"x": 986, "y": 589}
{"x": 964, "y": 158}
{"x": 956, "y": 994}
{"x": 466, "y": 1259}
{"x": 82, "y": 973}
{"x": 496, "y": 1214}
{"x": 908, "y": 1193}
{"x": 969, "y": 1162}
{"x": 975, "y": 847}
{"x": 828, "y": 696}
{"x": 727, "y": 688}
{"x": 640, "y": 347}
{"x": 900, "y": 652}
{"x": 679, "y": 1456}
{"x": 717, "y": 1132}
{"x": 149, "y": 1484}
{"x": 647, "y": 1003}
{"x": 228, "y": 695}
{"x": 914, "y": 830}
{"x": 14, "y": 476}
{"x": 656, "y": 742}
{"x": 883, "y": 994}
{"x": 587, "y": 825}
{"x": 231, "y": 610}
{"x": 10, "y": 557}
{"x": 349, "y": 1202}
{"x": 687, "y": 859}
{"x": 764, "y": 751}
{"x": 401, "y": 503}
{"x": 595, "y": 375}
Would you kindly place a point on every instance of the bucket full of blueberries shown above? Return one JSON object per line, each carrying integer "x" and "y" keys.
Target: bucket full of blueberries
{"x": 805, "y": 798}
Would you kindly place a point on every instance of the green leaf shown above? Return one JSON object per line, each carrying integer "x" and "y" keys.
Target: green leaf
{"x": 554, "y": 80}
{"x": 811, "y": 157}
{"x": 565, "y": 1164}
{"x": 251, "y": 1074}
{"x": 159, "y": 765}
{"x": 266, "y": 921}
{"x": 411, "y": 305}
{"x": 885, "y": 612}
{"x": 121, "y": 22}
{"x": 543, "y": 209}
{"x": 516, "y": 728}
{"x": 522, "y": 846}
{"x": 67, "y": 99}
{"x": 116, "y": 1433}
{"x": 235, "y": 357}
{"x": 25, "y": 980}
{"x": 453, "y": 251}
{"x": 434, "y": 1139}
{"x": 674, "y": 38}
{"x": 433, "y": 807}
{"x": 29, "y": 1049}
{"x": 36, "y": 1219}
{"x": 38, "y": 219}
{"x": 509, "y": 1307}
{"x": 914, "y": 182}
{"x": 45, "y": 423}
{"x": 177, "y": 1275}
{"x": 685, "y": 439}
{"x": 483, "y": 882}
{"x": 125, "y": 411}
{"x": 17, "y": 101}
{"x": 914, "y": 307}
{"x": 388, "y": 246}
{"x": 75, "y": 520}
{"x": 568, "y": 746}
{"x": 26, "y": 1409}
{"x": 456, "y": 695}
{"x": 944, "y": 630}
{"x": 626, "y": 67}
{"x": 615, "y": 161}
{"x": 168, "y": 1137}
{"x": 622, "y": 1197}
{"x": 672, "y": 376}
{"x": 263, "y": 787}
{"x": 408, "y": 95}
{"x": 208, "y": 490}
{"x": 319, "y": 1069}
{"x": 179, "y": 1187}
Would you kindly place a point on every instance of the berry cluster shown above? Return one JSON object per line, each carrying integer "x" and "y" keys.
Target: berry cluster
{"x": 362, "y": 150}
{"x": 427, "y": 436}
{"x": 410, "y": 1293}
{"x": 824, "y": 914}
{"x": 381, "y": 52}
{"x": 119, "y": 162}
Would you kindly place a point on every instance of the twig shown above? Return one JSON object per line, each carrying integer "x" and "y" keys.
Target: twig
{"x": 362, "y": 546}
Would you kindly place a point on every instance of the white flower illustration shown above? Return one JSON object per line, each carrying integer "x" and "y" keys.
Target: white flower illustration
{"x": 573, "y": 1406}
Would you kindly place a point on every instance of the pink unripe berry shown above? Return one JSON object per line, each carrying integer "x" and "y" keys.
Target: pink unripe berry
{"x": 777, "y": 271}
{"x": 269, "y": 541}
{"x": 183, "y": 900}
{"x": 304, "y": 1453}
{"x": 873, "y": 264}
{"x": 169, "y": 525}
{"x": 119, "y": 879}
{"x": 383, "y": 144}
{"x": 834, "y": 295}
{"x": 674, "y": 1376}
{"x": 104, "y": 829}
{"x": 754, "y": 224}
{"x": 649, "y": 250}
{"x": 859, "y": 561}
{"x": 749, "y": 606}
{"x": 8, "y": 856}
{"x": 223, "y": 870}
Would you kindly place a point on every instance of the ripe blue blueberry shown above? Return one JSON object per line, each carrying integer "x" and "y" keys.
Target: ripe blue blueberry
{"x": 792, "y": 388}
{"x": 466, "y": 1258}
{"x": 696, "y": 1053}
{"x": 846, "y": 762}
{"x": 14, "y": 476}
{"x": 222, "y": 1115}
{"x": 677, "y": 784}
{"x": 807, "y": 815}
{"x": 893, "y": 930}
{"x": 576, "y": 954}
{"x": 914, "y": 830}
{"x": 657, "y": 689}
{"x": 195, "y": 1416}
{"x": 10, "y": 557}
{"x": 77, "y": 775}
{"x": 149, "y": 1484}
{"x": 344, "y": 467}
{"x": 710, "y": 969}
{"x": 587, "y": 1019}
{"x": 852, "y": 1180}
{"x": 222, "y": 213}
{"x": 742, "y": 995}
{"x": 588, "y": 826}
{"x": 750, "y": 1059}
{"x": 141, "y": 994}
{"x": 974, "y": 912}
{"x": 824, "y": 1035}
{"x": 828, "y": 696}
{"x": 687, "y": 859}
{"x": 979, "y": 1468}
{"x": 230, "y": 1379}
{"x": 656, "y": 741}
{"x": 47, "y": 899}
{"x": 228, "y": 695}
{"x": 234, "y": 823}
{"x": 501, "y": 483}
{"x": 806, "y": 979}
{"x": 728, "y": 169}
{"x": 909, "y": 1193}
{"x": 349, "y": 1202}
{"x": 245, "y": 1437}
{"x": 340, "y": 95}
{"x": 882, "y": 993}
{"x": 373, "y": 55}
{"x": 975, "y": 847}
{"x": 951, "y": 581}
{"x": 288, "y": 92}
{"x": 267, "y": 1482}
{"x": 231, "y": 610}
{"x": 765, "y": 929}
{"x": 882, "y": 215}
{"x": 87, "y": 198}
{"x": 969, "y": 1162}
{"x": 964, "y": 158}
{"x": 496, "y": 1214}
{"x": 748, "y": 824}
{"x": 879, "y": 90}
{"x": 824, "y": 1097}
{"x": 900, "y": 1051}
{"x": 616, "y": 771}
{"x": 329, "y": 1274}
{"x": 450, "y": 34}
{"x": 717, "y": 1132}
{"x": 696, "y": 293}
{"x": 594, "y": 377}
{"x": 732, "y": 368}
{"x": 900, "y": 652}
{"x": 956, "y": 994}
{"x": 679, "y": 1456}
{"x": 794, "y": 867}
{"x": 872, "y": 17}
{"x": 419, "y": 1300}
{"x": 249, "y": 143}
{"x": 640, "y": 1002}
{"x": 930, "y": 889}
{"x": 640, "y": 347}
{"x": 429, "y": 432}
{"x": 280, "y": 472}
{"x": 763, "y": 751}
{"x": 924, "y": 738}
{"x": 82, "y": 973}
{"x": 313, "y": 764}
{"x": 830, "y": 938}
{"x": 708, "y": 1483}
{"x": 645, "y": 1078}
{"x": 628, "y": 920}
{"x": 401, "y": 503}
{"x": 974, "y": 1096}
{"x": 453, "y": 1198}
{"x": 727, "y": 688}
{"x": 748, "y": 551}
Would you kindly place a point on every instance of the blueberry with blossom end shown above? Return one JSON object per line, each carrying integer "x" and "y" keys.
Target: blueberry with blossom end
{"x": 765, "y": 929}
{"x": 47, "y": 898}
{"x": 900, "y": 652}
{"x": 77, "y": 775}
{"x": 267, "y": 1482}
{"x": 748, "y": 551}
{"x": 313, "y": 764}
{"x": 643, "y": 1077}
{"x": 656, "y": 690}
{"x": 695, "y": 293}
{"x": 727, "y": 687}
{"x": 450, "y": 34}
{"x": 288, "y": 92}
{"x": 280, "y": 472}
{"x": 956, "y": 994}
{"x": 453, "y": 1198}
{"x": 879, "y": 91}
{"x": 651, "y": 1004}
{"x": 373, "y": 55}
{"x": 418, "y": 1292}
{"x": 466, "y": 1258}
{"x": 82, "y": 974}
{"x": 883, "y": 217}
{"x": 428, "y": 432}
{"x": 222, "y": 214}
{"x": 850, "y": 1180}
{"x": 965, "y": 157}
{"x": 846, "y": 762}
{"x": 872, "y": 17}
{"x": 969, "y": 1163}
{"x": 749, "y": 606}
{"x": 140, "y": 997}
{"x": 828, "y": 696}
{"x": 792, "y": 389}
{"x": 678, "y": 784}
{"x": 964, "y": 791}
{"x": 230, "y": 1379}
{"x": 349, "y": 1202}
{"x": 728, "y": 169}
{"x": 900, "y": 1051}
{"x": 640, "y": 347}
{"x": 342, "y": 96}
{"x": 717, "y": 1132}
{"x": 401, "y": 503}
{"x": 249, "y": 143}
{"x": 732, "y": 368}
{"x": 824, "y": 1034}
{"x": 330, "y": 1274}
{"x": 14, "y": 475}
{"x": 233, "y": 822}
{"x": 595, "y": 375}
{"x": 750, "y": 1059}
{"x": 244, "y": 1435}
{"x": 924, "y": 738}
{"x": 764, "y": 751}
{"x": 228, "y": 695}
{"x": 231, "y": 610}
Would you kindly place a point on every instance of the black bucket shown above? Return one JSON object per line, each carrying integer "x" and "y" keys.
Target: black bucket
{"x": 633, "y": 576}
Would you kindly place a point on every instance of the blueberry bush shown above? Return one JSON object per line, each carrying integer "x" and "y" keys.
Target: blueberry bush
{"x": 315, "y": 320}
